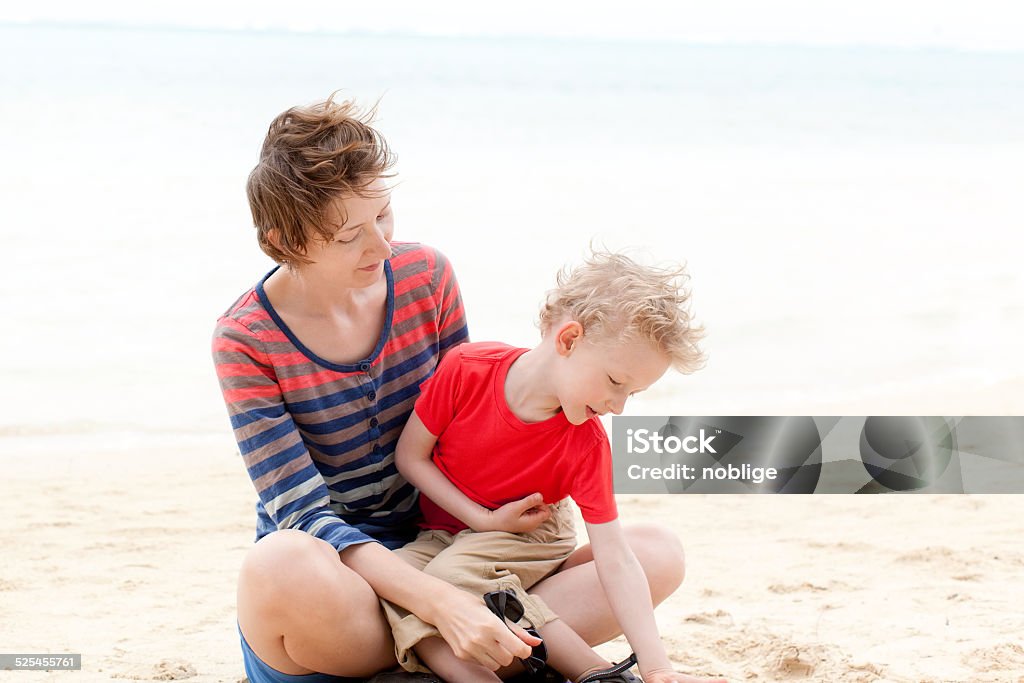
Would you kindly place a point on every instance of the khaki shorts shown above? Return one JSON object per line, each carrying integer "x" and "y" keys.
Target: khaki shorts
{"x": 481, "y": 562}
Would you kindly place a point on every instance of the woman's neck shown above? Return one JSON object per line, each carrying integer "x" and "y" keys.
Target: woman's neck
{"x": 303, "y": 293}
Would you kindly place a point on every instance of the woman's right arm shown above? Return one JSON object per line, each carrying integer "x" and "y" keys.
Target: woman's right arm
{"x": 466, "y": 625}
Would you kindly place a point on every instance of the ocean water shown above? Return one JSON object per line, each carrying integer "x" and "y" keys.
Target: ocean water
{"x": 850, "y": 216}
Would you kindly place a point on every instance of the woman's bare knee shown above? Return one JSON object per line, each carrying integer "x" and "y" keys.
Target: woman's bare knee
{"x": 575, "y": 592}
{"x": 301, "y": 609}
{"x": 660, "y": 553}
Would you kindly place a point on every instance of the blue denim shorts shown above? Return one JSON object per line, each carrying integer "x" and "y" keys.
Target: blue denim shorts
{"x": 259, "y": 671}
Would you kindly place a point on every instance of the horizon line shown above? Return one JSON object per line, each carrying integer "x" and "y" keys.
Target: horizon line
{"x": 694, "y": 41}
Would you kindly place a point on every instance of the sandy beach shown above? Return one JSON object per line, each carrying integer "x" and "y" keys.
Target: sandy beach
{"x": 847, "y": 210}
{"x": 132, "y": 560}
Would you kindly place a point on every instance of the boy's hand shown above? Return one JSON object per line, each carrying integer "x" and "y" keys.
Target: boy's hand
{"x": 670, "y": 676}
{"x": 518, "y": 517}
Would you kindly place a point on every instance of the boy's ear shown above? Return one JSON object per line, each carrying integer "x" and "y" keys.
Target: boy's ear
{"x": 567, "y": 336}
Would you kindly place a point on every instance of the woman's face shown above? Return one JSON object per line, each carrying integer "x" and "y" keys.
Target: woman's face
{"x": 355, "y": 255}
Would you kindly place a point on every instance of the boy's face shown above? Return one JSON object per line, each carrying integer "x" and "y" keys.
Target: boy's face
{"x": 361, "y": 242}
{"x": 597, "y": 376}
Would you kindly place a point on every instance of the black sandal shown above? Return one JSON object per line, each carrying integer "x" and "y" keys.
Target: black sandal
{"x": 545, "y": 675}
{"x": 616, "y": 673}
{"x": 505, "y": 605}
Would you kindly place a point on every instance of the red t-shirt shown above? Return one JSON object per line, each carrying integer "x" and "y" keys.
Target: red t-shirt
{"x": 494, "y": 457}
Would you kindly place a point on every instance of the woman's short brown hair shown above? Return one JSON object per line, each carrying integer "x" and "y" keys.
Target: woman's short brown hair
{"x": 311, "y": 156}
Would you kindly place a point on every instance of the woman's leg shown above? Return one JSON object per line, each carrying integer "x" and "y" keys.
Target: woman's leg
{"x": 575, "y": 592}
{"x": 301, "y": 610}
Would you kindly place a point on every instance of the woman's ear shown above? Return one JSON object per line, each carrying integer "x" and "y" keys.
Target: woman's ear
{"x": 274, "y": 237}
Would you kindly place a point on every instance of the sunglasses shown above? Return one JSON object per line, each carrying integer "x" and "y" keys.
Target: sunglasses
{"x": 505, "y": 605}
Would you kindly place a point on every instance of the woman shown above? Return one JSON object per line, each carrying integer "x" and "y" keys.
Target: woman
{"x": 320, "y": 364}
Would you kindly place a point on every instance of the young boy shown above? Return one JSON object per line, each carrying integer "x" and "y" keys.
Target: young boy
{"x": 498, "y": 431}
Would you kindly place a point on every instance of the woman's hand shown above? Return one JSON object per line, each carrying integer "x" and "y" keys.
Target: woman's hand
{"x": 476, "y": 635}
{"x": 518, "y": 517}
{"x": 469, "y": 628}
{"x": 670, "y": 676}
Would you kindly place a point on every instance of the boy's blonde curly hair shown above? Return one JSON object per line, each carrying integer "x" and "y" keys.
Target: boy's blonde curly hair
{"x": 613, "y": 297}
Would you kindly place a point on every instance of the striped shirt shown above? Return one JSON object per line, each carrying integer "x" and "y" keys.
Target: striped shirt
{"x": 318, "y": 438}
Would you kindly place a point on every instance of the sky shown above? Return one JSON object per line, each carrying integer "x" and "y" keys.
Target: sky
{"x": 962, "y": 24}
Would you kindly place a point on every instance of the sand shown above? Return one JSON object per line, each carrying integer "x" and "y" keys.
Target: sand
{"x": 129, "y": 556}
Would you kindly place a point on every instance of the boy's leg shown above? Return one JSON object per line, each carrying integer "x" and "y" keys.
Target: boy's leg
{"x": 493, "y": 561}
{"x": 407, "y": 628}
{"x": 568, "y": 653}
{"x": 436, "y": 654}
{"x": 420, "y": 551}
{"x": 418, "y": 643}
{"x": 482, "y": 562}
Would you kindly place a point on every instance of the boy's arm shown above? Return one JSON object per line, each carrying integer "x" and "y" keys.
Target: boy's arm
{"x": 413, "y": 459}
{"x": 629, "y": 595}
